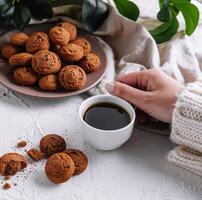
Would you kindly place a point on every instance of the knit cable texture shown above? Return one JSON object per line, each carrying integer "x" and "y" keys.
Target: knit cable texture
{"x": 187, "y": 129}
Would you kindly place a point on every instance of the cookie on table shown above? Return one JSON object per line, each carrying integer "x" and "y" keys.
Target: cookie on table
{"x": 35, "y": 154}
{"x": 11, "y": 163}
{"x": 25, "y": 76}
{"x": 85, "y": 44}
{"x": 37, "y": 41}
{"x": 90, "y": 63}
{"x": 49, "y": 82}
{"x": 19, "y": 39}
{"x": 72, "y": 77}
{"x": 79, "y": 158}
{"x": 59, "y": 35}
{"x": 51, "y": 144}
{"x": 20, "y": 59}
{"x": 46, "y": 62}
{"x": 9, "y": 50}
{"x": 70, "y": 28}
{"x": 59, "y": 168}
{"x": 71, "y": 52}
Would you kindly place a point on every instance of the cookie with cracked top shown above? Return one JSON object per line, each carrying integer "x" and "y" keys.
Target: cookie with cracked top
{"x": 79, "y": 158}
{"x": 11, "y": 163}
{"x": 51, "y": 144}
{"x": 59, "y": 168}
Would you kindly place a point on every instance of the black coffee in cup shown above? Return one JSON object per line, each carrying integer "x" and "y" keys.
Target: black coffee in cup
{"x": 106, "y": 116}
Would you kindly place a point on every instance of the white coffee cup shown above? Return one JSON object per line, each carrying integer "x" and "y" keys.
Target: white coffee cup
{"x": 106, "y": 139}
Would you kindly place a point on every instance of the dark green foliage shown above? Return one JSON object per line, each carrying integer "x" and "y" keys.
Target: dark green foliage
{"x": 94, "y": 13}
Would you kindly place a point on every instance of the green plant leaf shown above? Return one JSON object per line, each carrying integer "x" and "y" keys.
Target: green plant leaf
{"x": 21, "y": 16}
{"x": 5, "y": 5}
{"x": 165, "y": 31}
{"x": 6, "y": 12}
{"x": 6, "y": 17}
{"x": 94, "y": 12}
{"x": 161, "y": 2}
{"x": 174, "y": 11}
{"x": 162, "y": 28}
{"x": 56, "y": 3}
{"x": 179, "y": 1}
{"x": 40, "y": 9}
{"x": 164, "y": 14}
{"x": 191, "y": 15}
{"x": 127, "y": 9}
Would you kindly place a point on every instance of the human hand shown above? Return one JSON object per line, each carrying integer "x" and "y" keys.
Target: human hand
{"x": 152, "y": 91}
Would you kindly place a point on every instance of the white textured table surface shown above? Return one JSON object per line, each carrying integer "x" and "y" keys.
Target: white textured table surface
{"x": 136, "y": 171}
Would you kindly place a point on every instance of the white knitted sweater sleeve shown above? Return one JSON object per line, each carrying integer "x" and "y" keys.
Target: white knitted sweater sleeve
{"x": 187, "y": 129}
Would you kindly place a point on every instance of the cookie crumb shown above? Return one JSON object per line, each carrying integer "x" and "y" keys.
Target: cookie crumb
{"x": 22, "y": 144}
{"x": 7, "y": 178}
{"x": 7, "y": 186}
{"x": 35, "y": 154}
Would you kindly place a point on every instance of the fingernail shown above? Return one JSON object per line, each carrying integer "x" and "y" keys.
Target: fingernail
{"x": 110, "y": 87}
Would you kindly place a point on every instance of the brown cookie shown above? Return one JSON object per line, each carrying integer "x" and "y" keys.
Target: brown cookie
{"x": 49, "y": 82}
{"x": 9, "y": 50}
{"x": 35, "y": 154}
{"x": 20, "y": 59}
{"x": 51, "y": 144}
{"x": 79, "y": 158}
{"x": 25, "y": 76}
{"x": 70, "y": 28}
{"x": 19, "y": 39}
{"x": 38, "y": 41}
{"x": 59, "y": 35}
{"x": 11, "y": 163}
{"x": 72, "y": 77}
{"x": 82, "y": 42}
{"x": 46, "y": 62}
{"x": 59, "y": 168}
{"x": 71, "y": 52}
{"x": 90, "y": 63}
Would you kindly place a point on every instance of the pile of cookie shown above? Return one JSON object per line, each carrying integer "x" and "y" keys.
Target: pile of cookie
{"x": 53, "y": 60}
{"x": 61, "y": 165}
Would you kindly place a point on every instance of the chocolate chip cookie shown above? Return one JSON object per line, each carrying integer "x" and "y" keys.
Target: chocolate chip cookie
{"x": 59, "y": 168}
{"x": 49, "y": 83}
{"x": 72, "y": 77}
{"x": 51, "y": 144}
{"x": 25, "y": 76}
{"x": 19, "y": 39}
{"x": 70, "y": 28}
{"x": 20, "y": 59}
{"x": 46, "y": 62}
{"x": 85, "y": 44}
{"x": 59, "y": 35}
{"x": 11, "y": 163}
{"x": 90, "y": 63}
{"x": 9, "y": 50}
{"x": 71, "y": 52}
{"x": 38, "y": 41}
{"x": 79, "y": 158}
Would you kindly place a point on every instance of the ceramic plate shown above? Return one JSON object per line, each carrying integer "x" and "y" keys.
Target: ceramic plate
{"x": 92, "y": 79}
